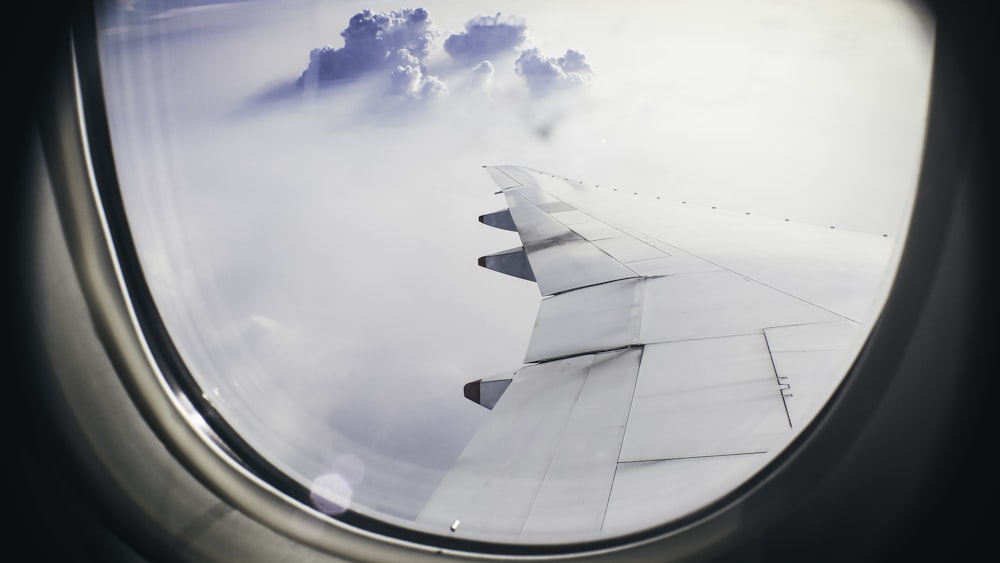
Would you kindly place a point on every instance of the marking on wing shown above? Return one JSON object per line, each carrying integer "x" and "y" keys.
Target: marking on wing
{"x": 783, "y": 386}
{"x": 810, "y": 359}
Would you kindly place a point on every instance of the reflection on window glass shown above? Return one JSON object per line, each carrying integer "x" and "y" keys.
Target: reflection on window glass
{"x": 705, "y": 200}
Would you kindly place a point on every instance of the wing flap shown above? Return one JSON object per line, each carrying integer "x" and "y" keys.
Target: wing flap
{"x": 660, "y": 491}
{"x": 591, "y": 319}
{"x": 574, "y": 494}
{"x": 547, "y": 422}
{"x": 705, "y": 397}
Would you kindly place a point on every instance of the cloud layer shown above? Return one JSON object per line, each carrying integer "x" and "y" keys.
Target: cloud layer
{"x": 485, "y": 36}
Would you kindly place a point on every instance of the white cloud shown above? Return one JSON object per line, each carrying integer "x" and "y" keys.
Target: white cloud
{"x": 409, "y": 81}
{"x": 399, "y": 41}
{"x": 487, "y": 35}
{"x": 372, "y": 41}
{"x": 547, "y": 74}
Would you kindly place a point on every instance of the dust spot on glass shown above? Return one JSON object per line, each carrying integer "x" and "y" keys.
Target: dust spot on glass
{"x": 331, "y": 492}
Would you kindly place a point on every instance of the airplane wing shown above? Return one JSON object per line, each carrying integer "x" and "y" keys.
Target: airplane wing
{"x": 655, "y": 379}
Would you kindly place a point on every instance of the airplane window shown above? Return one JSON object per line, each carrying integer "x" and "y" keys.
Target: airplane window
{"x": 699, "y": 206}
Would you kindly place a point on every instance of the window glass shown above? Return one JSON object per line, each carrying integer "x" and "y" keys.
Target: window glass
{"x": 303, "y": 180}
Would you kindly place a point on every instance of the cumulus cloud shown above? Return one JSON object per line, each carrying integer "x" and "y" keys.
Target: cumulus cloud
{"x": 409, "y": 81}
{"x": 373, "y": 41}
{"x": 397, "y": 42}
{"x": 482, "y": 76}
{"x": 548, "y": 74}
{"x": 487, "y": 35}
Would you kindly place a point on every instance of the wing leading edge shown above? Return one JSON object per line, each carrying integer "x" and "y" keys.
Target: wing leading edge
{"x": 646, "y": 365}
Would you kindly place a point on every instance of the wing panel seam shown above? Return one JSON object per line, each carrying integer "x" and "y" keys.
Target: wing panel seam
{"x": 777, "y": 378}
{"x": 562, "y": 436}
{"x": 614, "y": 475}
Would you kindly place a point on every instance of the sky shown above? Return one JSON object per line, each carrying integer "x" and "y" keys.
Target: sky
{"x": 304, "y": 193}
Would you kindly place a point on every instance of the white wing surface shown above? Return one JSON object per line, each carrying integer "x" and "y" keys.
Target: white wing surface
{"x": 656, "y": 379}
